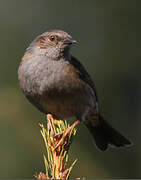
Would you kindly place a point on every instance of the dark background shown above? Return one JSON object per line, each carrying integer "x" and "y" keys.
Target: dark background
{"x": 109, "y": 46}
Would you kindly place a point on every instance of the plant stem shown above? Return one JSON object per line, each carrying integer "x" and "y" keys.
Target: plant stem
{"x": 58, "y": 137}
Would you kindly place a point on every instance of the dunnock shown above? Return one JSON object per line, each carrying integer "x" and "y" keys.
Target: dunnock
{"x": 57, "y": 83}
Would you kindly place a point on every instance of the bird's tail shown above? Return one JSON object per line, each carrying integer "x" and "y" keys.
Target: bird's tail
{"x": 105, "y": 135}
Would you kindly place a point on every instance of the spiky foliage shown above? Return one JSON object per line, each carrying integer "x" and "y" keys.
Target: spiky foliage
{"x": 58, "y": 137}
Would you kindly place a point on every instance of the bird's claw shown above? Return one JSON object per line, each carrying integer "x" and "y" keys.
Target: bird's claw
{"x": 66, "y": 133}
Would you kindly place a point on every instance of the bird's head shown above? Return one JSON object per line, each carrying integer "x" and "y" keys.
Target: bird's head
{"x": 53, "y": 43}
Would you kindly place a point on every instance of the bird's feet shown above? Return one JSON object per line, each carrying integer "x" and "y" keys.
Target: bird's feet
{"x": 50, "y": 119}
{"x": 62, "y": 136}
{"x": 66, "y": 133}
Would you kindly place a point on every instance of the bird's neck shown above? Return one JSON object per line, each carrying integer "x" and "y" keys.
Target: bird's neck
{"x": 64, "y": 55}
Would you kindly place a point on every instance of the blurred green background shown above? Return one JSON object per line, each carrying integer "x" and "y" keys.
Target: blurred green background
{"x": 109, "y": 46}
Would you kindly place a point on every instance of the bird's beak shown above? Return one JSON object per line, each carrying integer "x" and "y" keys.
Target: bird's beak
{"x": 69, "y": 41}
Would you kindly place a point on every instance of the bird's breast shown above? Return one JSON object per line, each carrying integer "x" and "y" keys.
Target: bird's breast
{"x": 54, "y": 86}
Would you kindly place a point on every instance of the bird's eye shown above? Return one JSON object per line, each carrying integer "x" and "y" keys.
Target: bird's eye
{"x": 52, "y": 38}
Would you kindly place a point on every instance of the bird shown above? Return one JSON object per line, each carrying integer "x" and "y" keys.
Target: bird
{"x": 57, "y": 83}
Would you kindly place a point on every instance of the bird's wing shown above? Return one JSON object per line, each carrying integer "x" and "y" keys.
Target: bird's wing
{"x": 83, "y": 74}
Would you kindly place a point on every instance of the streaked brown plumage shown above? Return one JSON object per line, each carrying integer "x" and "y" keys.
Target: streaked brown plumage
{"x": 57, "y": 83}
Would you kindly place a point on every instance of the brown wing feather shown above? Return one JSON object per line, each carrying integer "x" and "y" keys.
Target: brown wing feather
{"x": 83, "y": 74}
